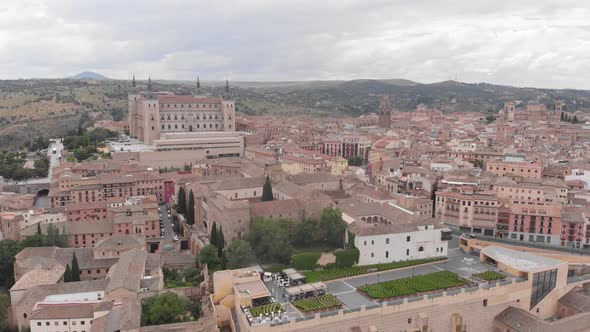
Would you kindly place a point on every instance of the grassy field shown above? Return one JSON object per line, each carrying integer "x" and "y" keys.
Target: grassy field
{"x": 413, "y": 285}
{"x": 266, "y": 309}
{"x": 343, "y": 272}
{"x": 318, "y": 303}
{"x": 490, "y": 276}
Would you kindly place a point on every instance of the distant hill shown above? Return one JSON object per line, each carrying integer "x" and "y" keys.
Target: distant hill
{"x": 88, "y": 75}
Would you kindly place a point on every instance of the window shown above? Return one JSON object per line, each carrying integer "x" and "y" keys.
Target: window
{"x": 409, "y": 321}
{"x": 407, "y": 252}
{"x": 421, "y": 248}
{"x": 387, "y": 241}
{"x": 387, "y": 254}
{"x": 365, "y": 243}
{"x": 372, "y": 254}
{"x": 543, "y": 283}
{"x": 82, "y": 323}
{"x": 485, "y": 302}
{"x": 408, "y": 239}
{"x": 47, "y": 323}
{"x": 65, "y": 322}
{"x": 372, "y": 242}
{"x": 38, "y": 323}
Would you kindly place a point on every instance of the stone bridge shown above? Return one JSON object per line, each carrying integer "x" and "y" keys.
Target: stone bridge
{"x": 27, "y": 187}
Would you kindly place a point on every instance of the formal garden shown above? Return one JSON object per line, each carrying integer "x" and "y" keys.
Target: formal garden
{"x": 490, "y": 276}
{"x": 414, "y": 285}
{"x": 338, "y": 271}
{"x": 318, "y": 303}
{"x": 267, "y": 309}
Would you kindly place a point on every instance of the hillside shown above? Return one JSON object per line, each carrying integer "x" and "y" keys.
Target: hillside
{"x": 51, "y": 107}
{"x": 88, "y": 75}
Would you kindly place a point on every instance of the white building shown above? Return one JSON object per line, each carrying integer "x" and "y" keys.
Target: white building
{"x": 384, "y": 234}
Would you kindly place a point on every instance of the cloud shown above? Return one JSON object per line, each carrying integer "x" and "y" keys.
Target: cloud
{"x": 526, "y": 43}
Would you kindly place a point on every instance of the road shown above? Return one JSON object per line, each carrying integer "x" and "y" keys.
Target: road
{"x": 167, "y": 223}
{"x": 54, "y": 157}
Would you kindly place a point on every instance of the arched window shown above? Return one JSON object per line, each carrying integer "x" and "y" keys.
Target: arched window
{"x": 175, "y": 117}
{"x": 420, "y": 248}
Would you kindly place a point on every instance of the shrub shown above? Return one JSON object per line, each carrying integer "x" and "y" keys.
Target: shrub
{"x": 413, "y": 285}
{"x": 266, "y": 309}
{"x": 335, "y": 272}
{"x": 347, "y": 258}
{"x": 327, "y": 301}
{"x": 490, "y": 276}
{"x": 306, "y": 260}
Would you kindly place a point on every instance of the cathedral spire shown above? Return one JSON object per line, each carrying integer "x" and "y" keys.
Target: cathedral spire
{"x": 149, "y": 83}
{"x": 198, "y": 83}
{"x": 226, "y": 86}
{"x": 133, "y": 81}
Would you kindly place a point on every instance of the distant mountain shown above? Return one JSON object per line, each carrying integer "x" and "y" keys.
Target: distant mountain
{"x": 362, "y": 96}
{"x": 88, "y": 75}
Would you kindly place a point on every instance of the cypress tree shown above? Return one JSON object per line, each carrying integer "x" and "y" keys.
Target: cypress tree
{"x": 213, "y": 238}
{"x": 181, "y": 201}
{"x": 220, "y": 242}
{"x": 68, "y": 274}
{"x": 190, "y": 214}
{"x": 75, "y": 269}
{"x": 39, "y": 228}
{"x": 575, "y": 119}
{"x": 562, "y": 117}
{"x": 267, "y": 190}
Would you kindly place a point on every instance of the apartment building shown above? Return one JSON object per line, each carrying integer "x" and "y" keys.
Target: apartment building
{"x": 533, "y": 170}
{"x": 469, "y": 210}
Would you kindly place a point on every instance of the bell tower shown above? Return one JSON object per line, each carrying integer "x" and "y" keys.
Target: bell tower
{"x": 385, "y": 112}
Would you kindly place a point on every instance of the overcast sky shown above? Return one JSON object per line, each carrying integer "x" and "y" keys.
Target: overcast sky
{"x": 541, "y": 43}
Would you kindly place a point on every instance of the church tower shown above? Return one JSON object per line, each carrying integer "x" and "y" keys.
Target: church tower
{"x": 228, "y": 107}
{"x": 385, "y": 112}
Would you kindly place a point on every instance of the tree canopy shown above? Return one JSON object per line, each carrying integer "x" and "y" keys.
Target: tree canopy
{"x": 239, "y": 254}
{"x": 208, "y": 255}
{"x": 181, "y": 201}
{"x": 190, "y": 213}
{"x": 168, "y": 308}
{"x": 267, "y": 190}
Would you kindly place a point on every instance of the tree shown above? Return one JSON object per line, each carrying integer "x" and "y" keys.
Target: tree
{"x": 332, "y": 227}
{"x": 306, "y": 233}
{"x": 181, "y": 201}
{"x": 68, "y": 274}
{"x": 267, "y": 190}
{"x": 4, "y": 305}
{"x": 575, "y": 119}
{"x": 271, "y": 239}
{"x": 190, "y": 214}
{"x": 8, "y": 250}
{"x": 490, "y": 118}
{"x": 208, "y": 255}
{"x": 355, "y": 161}
{"x": 562, "y": 118}
{"x": 75, "y": 269}
{"x": 213, "y": 238}
{"x": 39, "y": 228}
{"x": 220, "y": 242}
{"x": 239, "y": 254}
{"x": 161, "y": 309}
{"x": 54, "y": 238}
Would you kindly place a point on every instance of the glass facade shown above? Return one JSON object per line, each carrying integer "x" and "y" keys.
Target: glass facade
{"x": 543, "y": 283}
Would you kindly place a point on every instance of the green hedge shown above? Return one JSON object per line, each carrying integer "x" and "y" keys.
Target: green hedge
{"x": 490, "y": 276}
{"x": 266, "y": 309}
{"x": 327, "y": 301}
{"x": 343, "y": 272}
{"x": 413, "y": 285}
{"x": 306, "y": 261}
{"x": 347, "y": 258}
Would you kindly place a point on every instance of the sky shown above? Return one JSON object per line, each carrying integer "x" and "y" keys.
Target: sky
{"x": 539, "y": 43}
